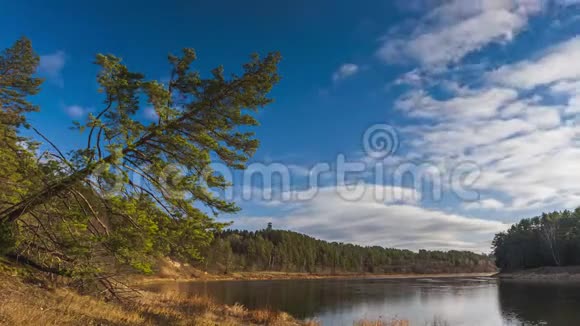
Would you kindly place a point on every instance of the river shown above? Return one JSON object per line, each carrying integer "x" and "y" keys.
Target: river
{"x": 457, "y": 301}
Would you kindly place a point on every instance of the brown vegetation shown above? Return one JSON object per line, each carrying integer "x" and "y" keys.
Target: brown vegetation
{"x": 30, "y": 301}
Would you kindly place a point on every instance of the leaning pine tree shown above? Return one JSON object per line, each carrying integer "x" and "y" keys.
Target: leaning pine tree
{"x": 17, "y": 82}
{"x": 89, "y": 209}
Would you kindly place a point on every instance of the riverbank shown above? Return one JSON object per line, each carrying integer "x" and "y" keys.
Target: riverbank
{"x": 168, "y": 270}
{"x": 544, "y": 274}
{"x": 265, "y": 276}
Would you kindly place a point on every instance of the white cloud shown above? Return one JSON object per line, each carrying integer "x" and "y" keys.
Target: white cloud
{"x": 448, "y": 33}
{"x": 559, "y": 63}
{"x": 534, "y": 169}
{"x": 485, "y": 204}
{"x": 345, "y": 71}
{"x": 571, "y": 89}
{"x": 76, "y": 111}
{"x": 412, "y": 78}
{"x": 525, "y": 143}
{"x": 566, "y": 87}
{"x": 364, "y": 192}
{"x": 451, "y": 44}
{"x": 527, "y": 157}
{"x": 477, "y": 105}
{"x": 388, "y": 224}
{"x": 51, "y": 66}
{"x": 543, "y": 118}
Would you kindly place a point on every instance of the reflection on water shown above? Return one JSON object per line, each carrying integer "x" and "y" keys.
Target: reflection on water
{"x": 540, "y": 304}
{"x": 459, "y": 301}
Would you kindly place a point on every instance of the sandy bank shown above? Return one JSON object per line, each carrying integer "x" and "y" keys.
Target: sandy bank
{"x": 544, "y": 274}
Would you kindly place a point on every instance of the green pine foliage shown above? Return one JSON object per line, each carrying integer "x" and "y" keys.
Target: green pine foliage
{"x": 17, "y": 167}
{"x": 82, "y": 214}
{"x": 17, "y": 82}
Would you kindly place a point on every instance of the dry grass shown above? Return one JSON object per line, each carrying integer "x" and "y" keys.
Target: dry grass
{"x": 29, "y": 304}
{"x": 176, "y": 309}
{"x": 22, "y": 304}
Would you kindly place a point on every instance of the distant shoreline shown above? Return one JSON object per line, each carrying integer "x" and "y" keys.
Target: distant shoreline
{"x": 544, "y": 274}
{"x": 274, "y": 276}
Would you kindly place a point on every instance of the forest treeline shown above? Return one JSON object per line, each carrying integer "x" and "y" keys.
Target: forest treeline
{"x": 551, "y": 239}
{"x": 279, "y": 250}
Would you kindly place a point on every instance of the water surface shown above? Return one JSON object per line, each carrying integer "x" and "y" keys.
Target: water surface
{"x": 459, "y": 301}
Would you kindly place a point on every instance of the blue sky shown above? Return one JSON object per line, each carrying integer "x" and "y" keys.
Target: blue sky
{"x": 492, "y": 84}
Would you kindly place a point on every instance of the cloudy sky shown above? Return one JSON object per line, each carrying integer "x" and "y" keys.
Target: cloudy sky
{"x": 478, "y": 99}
